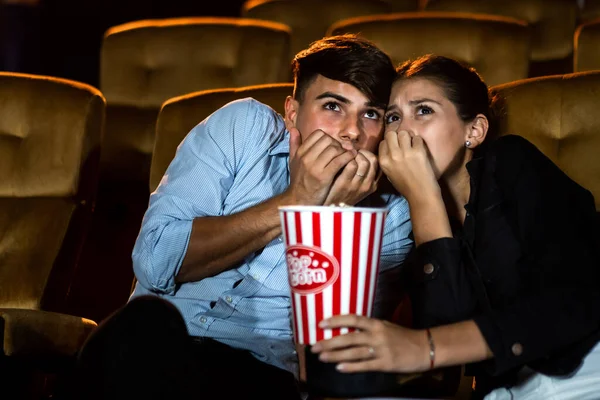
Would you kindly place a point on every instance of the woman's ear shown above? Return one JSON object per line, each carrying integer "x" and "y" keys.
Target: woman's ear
{"x": 477, "y": 131}
{"x": 291, "y": 112}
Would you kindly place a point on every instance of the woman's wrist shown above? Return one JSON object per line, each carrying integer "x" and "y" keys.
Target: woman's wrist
{"x": 424, "y": 196}
{"x": 431, "y": 352}
{"x": 429, "y": 220}
{"x": 422, "y": 357}
{"x": 458, "y": 343}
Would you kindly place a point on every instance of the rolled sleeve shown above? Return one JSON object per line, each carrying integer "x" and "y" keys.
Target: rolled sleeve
{"x": 195, "y": 184}
{"x": 159, "y": 253}
{"x": 441, "y": 292}
{"x": 539, "y": 327}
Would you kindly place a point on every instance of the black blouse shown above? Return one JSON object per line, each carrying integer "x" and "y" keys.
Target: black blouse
{"x": 524, "y": 266}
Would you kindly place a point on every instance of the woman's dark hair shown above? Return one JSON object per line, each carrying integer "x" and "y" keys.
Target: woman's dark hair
{"x": 349, "y": 59}
{"x": 463, "y": 86}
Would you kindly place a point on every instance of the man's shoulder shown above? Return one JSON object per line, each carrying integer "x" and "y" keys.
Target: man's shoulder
{"x": 246, "y": 108}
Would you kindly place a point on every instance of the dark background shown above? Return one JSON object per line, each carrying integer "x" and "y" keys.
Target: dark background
{"x": 62, "y": 37}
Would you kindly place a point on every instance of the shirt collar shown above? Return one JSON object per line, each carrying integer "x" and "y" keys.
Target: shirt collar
{"x": 475, "y": 166}
{"x": 282, "y": 147}
{"x": 475, "y": 169}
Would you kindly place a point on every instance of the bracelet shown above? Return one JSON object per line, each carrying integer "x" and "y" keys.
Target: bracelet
{"x": 431, "y": 349}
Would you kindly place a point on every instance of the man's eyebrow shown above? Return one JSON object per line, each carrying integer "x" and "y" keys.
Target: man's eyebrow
{"x": 423, "y": 100}
{"x": 342, "y": 99}
{"x": 336, "y": 96}
{"x": 372, "y": 104}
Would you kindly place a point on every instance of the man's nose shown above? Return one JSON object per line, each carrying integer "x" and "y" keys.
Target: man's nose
{"x": 350, "y": 131}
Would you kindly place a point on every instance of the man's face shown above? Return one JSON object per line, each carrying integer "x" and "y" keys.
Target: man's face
{"x": 338, "y": 109}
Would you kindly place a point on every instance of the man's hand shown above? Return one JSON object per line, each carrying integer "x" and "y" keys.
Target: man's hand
{"x": 357, "y": 180}
{"x": 314, "y": 164}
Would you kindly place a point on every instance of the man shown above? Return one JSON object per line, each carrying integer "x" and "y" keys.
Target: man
{"x": 210, "y": 243}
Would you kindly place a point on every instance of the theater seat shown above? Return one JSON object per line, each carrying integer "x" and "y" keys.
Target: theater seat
{"x": 50, "y": 133}
{"x": 589, "y": 11}
{"x": 406, "y": 5}
{"x": 143, "y": 64}
{"x": 559, "y": 115}
{"x": 309, "y": 19}
{"x": 498, "y": 47}
{"x": 553, "y": 23}
{"x": 587, "y": 46}
{"x": 179, "y": 115}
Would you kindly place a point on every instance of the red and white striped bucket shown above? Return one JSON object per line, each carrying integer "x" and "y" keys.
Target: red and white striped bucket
{"x": 332, "y": 256}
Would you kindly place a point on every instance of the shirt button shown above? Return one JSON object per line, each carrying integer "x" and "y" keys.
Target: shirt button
{"x": 428, "y": 269}
{"x": 517, "y": 349}
{"x": 203, "y": 320}
{"x": 229, "y": 299}
{"x": 280, "y": 239}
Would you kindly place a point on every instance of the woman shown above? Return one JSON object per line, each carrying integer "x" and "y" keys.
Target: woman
{"x": 505, "y": 274}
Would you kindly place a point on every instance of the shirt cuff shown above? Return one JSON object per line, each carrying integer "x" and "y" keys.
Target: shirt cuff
{"x": 433, "y": 255}
{"x": 160, "y": 259}
{"x": 508, "y": 349}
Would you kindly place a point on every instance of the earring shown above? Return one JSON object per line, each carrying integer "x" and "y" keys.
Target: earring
{"x": 468, "y": 143}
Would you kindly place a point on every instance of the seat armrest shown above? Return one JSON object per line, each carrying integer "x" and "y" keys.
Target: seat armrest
{"x": 35, "y": 333}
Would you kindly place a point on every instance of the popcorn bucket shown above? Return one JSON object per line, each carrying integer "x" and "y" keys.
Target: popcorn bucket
{"x": 332, "y": 255}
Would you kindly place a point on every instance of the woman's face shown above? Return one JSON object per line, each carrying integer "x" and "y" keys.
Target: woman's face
{"x": 420, "y": 106}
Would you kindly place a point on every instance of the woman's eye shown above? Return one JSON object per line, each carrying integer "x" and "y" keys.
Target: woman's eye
{"x": 332, "y": 106}
{"x": 372, "y": 114}
{"x": 391, "y": 118}
{"x": 424, "y": 110}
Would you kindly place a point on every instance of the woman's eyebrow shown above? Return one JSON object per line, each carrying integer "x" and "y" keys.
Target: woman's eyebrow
{"x": 392, "y": 107}
{"x": 423, "y": 100}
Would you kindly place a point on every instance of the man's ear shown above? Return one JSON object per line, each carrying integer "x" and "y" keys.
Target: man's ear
{"x": 291, "y": 112}
{"x": 477, "y": 131}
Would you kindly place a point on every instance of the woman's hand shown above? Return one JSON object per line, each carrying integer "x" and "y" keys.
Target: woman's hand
{"x": 376, "y": 346}
{"x": 405, "y": 161}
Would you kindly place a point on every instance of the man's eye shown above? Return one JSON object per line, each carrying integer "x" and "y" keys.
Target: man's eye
{"x": 332, "y": 106}
{"x": 391, "y": 118}
{"x": 372, "y": 114}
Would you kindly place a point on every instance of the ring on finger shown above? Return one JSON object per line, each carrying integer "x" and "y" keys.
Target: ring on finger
{"x": 371, "y": 352}
{"x": 361, "y": 175}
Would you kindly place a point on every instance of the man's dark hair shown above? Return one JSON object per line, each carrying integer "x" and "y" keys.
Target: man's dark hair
{"x": 349, "y": 59}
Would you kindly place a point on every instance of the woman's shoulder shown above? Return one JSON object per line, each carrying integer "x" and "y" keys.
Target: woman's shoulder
{"x": 514, "y": 159}
{"x": 513, "y": 147}
{"x": 509, "y": 155}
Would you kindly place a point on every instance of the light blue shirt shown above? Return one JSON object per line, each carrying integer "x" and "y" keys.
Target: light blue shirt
{"x": 233, "y": 160}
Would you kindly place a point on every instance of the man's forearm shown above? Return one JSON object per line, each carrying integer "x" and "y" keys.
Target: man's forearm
{"x": 219, "y": 243}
